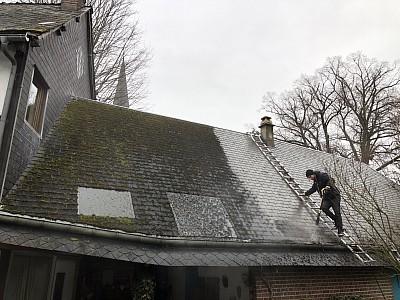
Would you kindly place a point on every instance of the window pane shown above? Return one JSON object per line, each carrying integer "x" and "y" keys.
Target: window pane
{"x": 31, "y": 103}
{"x": 36, "y": 102}
{"x": 28, "y": 278}
{"x": 59, "y": 286}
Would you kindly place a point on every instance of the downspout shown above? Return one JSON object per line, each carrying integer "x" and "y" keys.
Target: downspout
{"x": 4, "y": 41}
{"x": 90, "y": 55}
{"x": 4, "y": 48}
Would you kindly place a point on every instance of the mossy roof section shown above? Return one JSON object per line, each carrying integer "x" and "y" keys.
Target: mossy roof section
{"x": 108, "y": 147}
{"x": 29, "y": 17}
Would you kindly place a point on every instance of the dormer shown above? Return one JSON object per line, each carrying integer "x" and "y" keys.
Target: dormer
{"x": 45, "y": 60}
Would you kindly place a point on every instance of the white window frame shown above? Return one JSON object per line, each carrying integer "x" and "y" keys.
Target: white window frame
{"x": 37, "y": 118}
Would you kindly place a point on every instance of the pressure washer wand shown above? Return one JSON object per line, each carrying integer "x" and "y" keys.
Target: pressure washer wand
{"x": 320, "y": 207}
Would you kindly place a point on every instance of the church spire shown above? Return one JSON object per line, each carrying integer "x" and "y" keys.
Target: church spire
{"x": 121, "y": 91}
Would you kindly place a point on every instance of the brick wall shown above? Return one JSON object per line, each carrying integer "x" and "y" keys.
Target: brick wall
{"x": 306, "y": 283}
{"x": 62, "y": 60}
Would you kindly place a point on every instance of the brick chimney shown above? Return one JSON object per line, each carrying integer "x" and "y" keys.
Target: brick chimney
{"x": 267, "y": 131}
{"x": 72, "y": 4}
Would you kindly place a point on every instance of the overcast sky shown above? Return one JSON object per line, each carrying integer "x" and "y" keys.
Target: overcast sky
{"x": 213, "y": 60}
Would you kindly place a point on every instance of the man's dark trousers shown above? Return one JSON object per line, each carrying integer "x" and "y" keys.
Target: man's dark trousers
{"x": 334, "y": 202}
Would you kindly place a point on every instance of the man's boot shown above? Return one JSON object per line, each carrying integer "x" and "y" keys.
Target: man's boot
{"x": 340, "y": 231}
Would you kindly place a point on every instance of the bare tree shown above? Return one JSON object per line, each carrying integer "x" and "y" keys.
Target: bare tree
{"x": 117, "y": 39}
{"x": 306, "y": 113}
{"x": 368, "y": 91}
{"x": 389, "y": 165}
{"x": 350, "y": 107}
{"x": 370, "y": 212}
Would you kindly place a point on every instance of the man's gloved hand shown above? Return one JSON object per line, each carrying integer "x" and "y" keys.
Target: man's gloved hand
{"x": 325, "y": 189}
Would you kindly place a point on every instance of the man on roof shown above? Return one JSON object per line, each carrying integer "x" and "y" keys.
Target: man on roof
{"x": 330, "y": 195}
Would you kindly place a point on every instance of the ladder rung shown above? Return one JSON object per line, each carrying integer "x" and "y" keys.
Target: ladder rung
{"x": 355, "y": 248}
{"x": 364, "y": 257}
{"x": 396, "y": 254}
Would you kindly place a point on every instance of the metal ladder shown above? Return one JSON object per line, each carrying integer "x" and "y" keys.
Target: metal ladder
{"x": 347, "y": 240}
{"x": 394, "y": 252}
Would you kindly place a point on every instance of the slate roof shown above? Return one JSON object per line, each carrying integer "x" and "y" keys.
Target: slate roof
{"x": 187, "y": 181}
{"x": 348, "y": 175}
{"x": 174, "y": 256}
{"x": 33, "y": 18}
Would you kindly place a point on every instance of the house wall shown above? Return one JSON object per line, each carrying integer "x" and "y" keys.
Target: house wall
{"x": 63, "y": 62}
{"x": 232, "y": 281}
{"x": 176, "y": 278}
{"x": 104, "y": 279}
{"x": 66, "y": 269}
{"x": 5, "y": 70}
{"x": 320, "y": 283}
{"x": 193, "y": 283}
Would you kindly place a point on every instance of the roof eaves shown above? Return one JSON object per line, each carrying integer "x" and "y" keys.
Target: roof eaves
{"x": 41, "y": 238}
{"x": 44, "y": 28}
{"x": 58, "y": 26}
{"x": 84, "y": 229}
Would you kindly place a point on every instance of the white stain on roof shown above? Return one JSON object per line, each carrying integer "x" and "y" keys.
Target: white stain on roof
{"x": 200, "y": 216}
{"x": 107, "y": 203}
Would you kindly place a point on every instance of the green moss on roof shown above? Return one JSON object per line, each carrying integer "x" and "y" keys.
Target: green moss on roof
{"x": 96, "y": 145}
{"x": 107, "y": 222}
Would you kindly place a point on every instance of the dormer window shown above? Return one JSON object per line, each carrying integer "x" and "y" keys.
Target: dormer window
{"x": 37, "y": 99}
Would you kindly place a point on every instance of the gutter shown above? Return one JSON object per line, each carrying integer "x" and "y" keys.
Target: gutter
{"x": 4, "y": 41}
{"x": 82, "y": 229}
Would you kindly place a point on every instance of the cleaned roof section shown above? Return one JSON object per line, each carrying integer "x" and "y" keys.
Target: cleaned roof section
{"x": 356, "y": 181}
{"x": 31, "y": 17}
{"x": 162, "y": 161}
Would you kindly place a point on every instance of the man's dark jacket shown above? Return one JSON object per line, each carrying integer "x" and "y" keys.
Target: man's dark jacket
{"x": 321, "y": 181}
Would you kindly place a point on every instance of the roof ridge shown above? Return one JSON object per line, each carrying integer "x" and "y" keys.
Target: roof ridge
{"x": 155, "y": 114}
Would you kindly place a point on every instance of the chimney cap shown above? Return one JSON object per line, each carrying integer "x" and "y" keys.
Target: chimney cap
{"x": 266, "y": 120}
{"x": 72, "y": 4}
